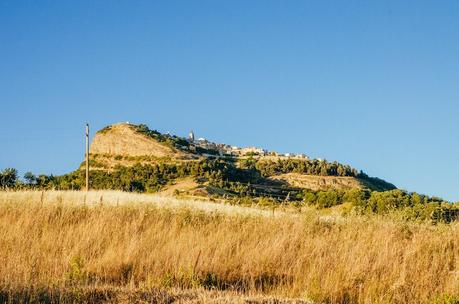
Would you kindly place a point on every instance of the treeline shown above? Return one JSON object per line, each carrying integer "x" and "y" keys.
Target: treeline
{"x": 244, "y": 182}
{"x": 267, "y": 168}
{"x": 169, "y": 140}
{"x": 311, "y": 167}
{"x": 413, "y": 206}
{"x": 9, "y": 180}
{"x": 139, "y": 178}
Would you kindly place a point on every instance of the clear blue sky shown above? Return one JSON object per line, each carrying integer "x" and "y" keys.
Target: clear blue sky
{"x": 373, "y": 84}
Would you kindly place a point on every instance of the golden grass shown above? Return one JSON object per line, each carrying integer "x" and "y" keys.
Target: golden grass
{"x": 148, "y": 247}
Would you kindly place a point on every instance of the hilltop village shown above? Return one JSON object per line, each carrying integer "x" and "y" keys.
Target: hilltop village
{"x": 213, "y": 149}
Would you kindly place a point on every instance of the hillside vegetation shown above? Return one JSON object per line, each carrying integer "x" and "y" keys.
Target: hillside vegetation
{"x": 174, "y": 166}
{"x": 135, "y": 158}
{"x": 119, "y": 247}
{"x": 124, "y": 145}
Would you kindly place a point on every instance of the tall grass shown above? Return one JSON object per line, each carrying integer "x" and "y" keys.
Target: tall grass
{"x": 46, "y": 242}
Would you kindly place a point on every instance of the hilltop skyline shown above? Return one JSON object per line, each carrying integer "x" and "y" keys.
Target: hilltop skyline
{"x": 372, "y": 85}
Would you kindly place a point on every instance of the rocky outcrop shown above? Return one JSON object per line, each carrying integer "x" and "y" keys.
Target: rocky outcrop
{"x": 123, "y": 139}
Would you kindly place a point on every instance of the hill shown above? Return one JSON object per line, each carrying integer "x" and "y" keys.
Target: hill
{"x": 121, "y": 147}
{"x": 135, "y": 158}
{"x": 132, "y": 157}
{"x": 126, "y": 140}
{"x": 125, "y": 144}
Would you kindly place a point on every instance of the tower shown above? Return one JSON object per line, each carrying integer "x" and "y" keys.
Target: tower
{"x": 191, "y": 137}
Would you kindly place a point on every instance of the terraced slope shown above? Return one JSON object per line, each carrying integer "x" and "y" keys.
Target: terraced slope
{"x": 317, "y": 182}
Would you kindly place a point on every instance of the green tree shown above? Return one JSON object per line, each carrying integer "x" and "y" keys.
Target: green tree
{"x": 30, "y": 178}
{"x": 8, "y": 178}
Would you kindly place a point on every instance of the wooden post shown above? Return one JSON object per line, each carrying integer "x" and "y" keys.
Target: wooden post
{"x": 87, "y": 157}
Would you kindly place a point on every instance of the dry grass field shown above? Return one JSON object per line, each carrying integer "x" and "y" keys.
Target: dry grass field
{"x": 110, "y": 247}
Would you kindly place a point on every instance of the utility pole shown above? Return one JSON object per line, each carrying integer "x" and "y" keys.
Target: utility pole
{"x": 87, "y": 157}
